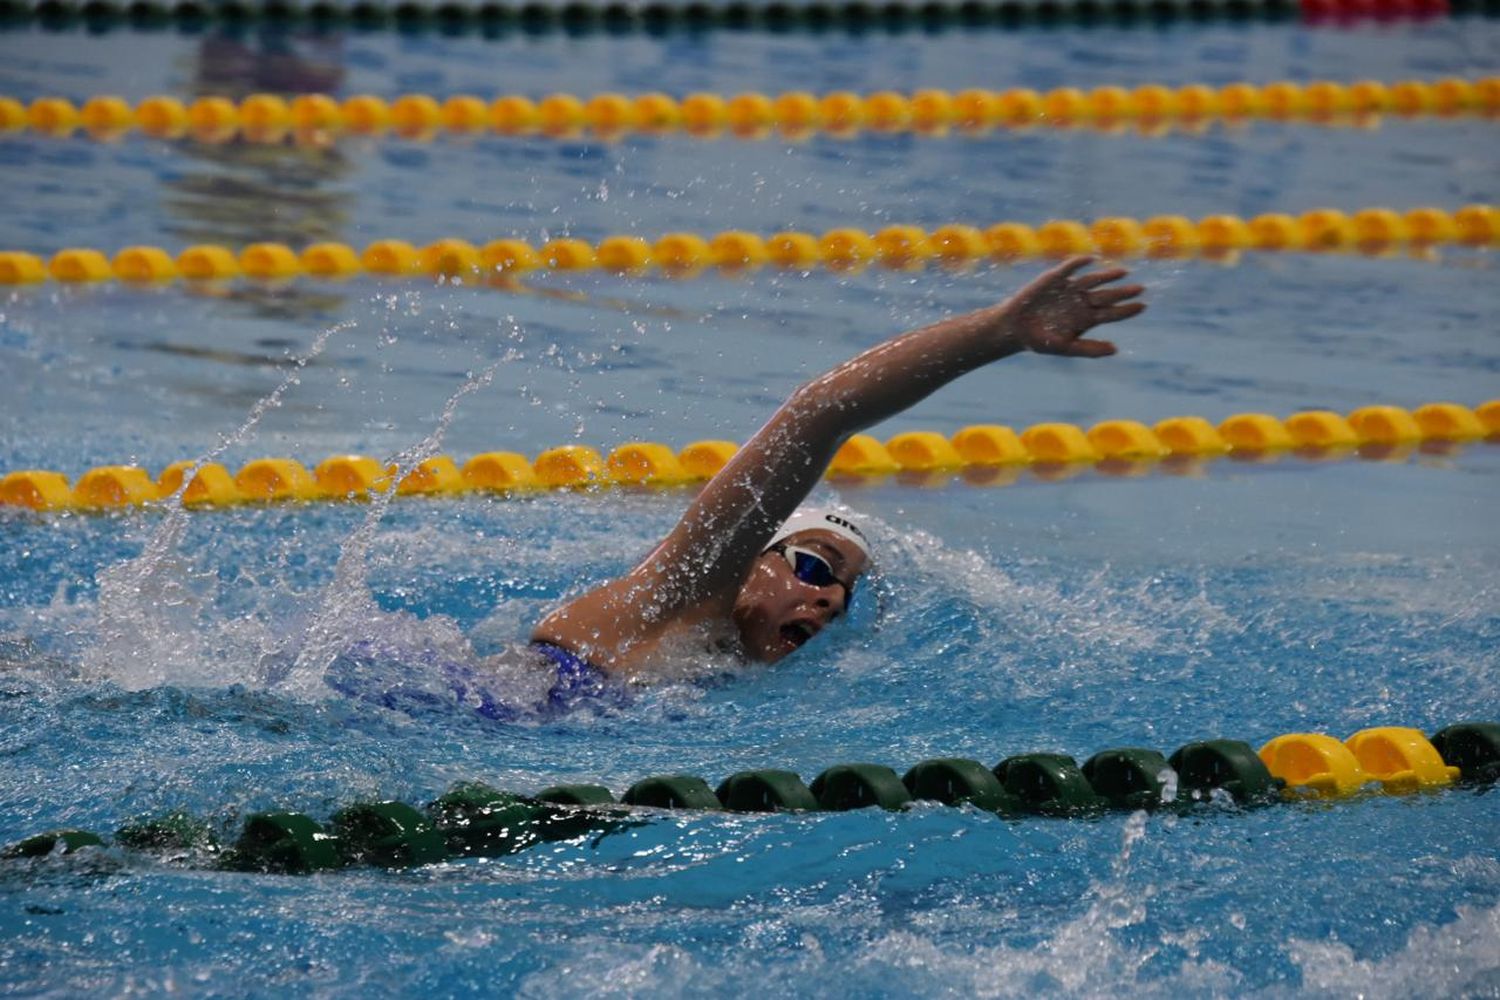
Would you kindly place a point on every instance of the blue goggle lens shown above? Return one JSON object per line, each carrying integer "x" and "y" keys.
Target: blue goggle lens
{"x": 813, "y": 569}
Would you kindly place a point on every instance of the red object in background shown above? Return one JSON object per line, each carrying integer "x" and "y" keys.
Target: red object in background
{"x": 1349, "y": 10}
{"x": 1395, "y": 10}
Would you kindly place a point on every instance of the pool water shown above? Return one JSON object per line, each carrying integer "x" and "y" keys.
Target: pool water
{"x": 153, "y": 661}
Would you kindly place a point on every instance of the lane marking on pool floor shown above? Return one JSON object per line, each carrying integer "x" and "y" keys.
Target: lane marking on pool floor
{"x": 1150, "y": 109}
{"x": 981, "y": 455}
{"x": 1374, "y": 231}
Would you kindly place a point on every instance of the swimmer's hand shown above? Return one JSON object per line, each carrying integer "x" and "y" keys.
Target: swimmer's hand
{"x": 694, "y": 578}
{"x": 1053, "y": 312}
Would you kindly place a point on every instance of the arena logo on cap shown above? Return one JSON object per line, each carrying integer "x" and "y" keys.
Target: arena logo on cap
{"x": 835, "y": 519}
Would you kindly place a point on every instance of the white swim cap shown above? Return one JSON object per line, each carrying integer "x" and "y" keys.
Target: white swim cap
{"x": 822, "y": 519}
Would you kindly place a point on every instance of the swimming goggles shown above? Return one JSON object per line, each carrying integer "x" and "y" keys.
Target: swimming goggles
{"x": 812, "y": 569}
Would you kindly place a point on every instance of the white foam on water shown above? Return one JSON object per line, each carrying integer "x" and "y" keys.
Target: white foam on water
{"x": 1457, "y": 959}
{"x": 661, "y": 970}
{"x": 1082, "y": 957}
{"x": 149, "y": 604}
{"x": 1074, "y": 625}
{"x": 1086, "y": 956}
{"x": 347, "y": 607}
{"x": 156, "y": 618}
{"x": 1453, "y": 588}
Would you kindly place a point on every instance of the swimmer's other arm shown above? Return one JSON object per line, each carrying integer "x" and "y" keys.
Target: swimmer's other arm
{"x": 696, "y": 572}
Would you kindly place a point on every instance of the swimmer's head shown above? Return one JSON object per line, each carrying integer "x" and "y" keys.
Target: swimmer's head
{"x": 801, "y": 582}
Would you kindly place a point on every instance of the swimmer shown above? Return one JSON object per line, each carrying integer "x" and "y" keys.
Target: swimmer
{"x": 745, "y": 570}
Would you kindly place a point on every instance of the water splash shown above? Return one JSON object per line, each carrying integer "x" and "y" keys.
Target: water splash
{"x": 1059, "y": 626}
{"x": 347, "y": 607}
{"x": 149, "y": 604}
{"x": 849, "y": 938}
{"x": 1459, "y": 959}
{"x": 1085, "y": 956}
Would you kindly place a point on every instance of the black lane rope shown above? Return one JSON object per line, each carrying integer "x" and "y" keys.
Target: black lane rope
{"x": 499, "y": 20}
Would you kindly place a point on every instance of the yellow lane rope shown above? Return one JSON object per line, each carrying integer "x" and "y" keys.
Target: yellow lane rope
{"x": 983, "y": 454}
{"x": 1368, "y": 230}
{"x": 317, "y": 119}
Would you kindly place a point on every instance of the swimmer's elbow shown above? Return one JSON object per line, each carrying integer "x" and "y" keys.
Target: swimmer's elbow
{"x": 817, "y": 404}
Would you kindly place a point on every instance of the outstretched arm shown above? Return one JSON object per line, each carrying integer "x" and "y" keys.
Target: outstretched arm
{"x": 705, "y": 558}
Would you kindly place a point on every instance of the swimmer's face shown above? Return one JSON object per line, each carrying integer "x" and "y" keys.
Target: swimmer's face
{"x": 777, "y": 613}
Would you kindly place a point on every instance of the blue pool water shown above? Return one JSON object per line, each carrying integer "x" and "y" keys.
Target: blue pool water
{"x": 150, "y": 662}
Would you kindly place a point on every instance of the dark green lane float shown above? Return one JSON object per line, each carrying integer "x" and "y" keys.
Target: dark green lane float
{"x": 672, "y": 791}
{"x": 173, "y": 833}
{"x": 1473, "y": 748}
{"x": 1228, "y": 765}
{"x": 58, "y": 841}
{"x": 858, "y": 786}
{"x": 765, "y": 791}
{"x": 388, "y": 834}
{"x": 1049, "y": 784}
{"x": 957, "y": 781}
{"x": 1131, "y": 778}
{"x": 577, "y": 795}
{"x": 284, "y": 843}
{"x": 475, "y": 820}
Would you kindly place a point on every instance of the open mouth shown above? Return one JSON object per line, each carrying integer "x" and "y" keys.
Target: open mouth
{"x": 797, "y": 633}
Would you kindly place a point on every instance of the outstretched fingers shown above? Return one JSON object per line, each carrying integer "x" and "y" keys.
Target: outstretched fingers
{"x": 1110, "y": 296}
{"x": 1068, "y": 268}
{"x": 1103, "y": 277}
{"x": 1091, "y": 349}
{"x": 1113, "y": 314}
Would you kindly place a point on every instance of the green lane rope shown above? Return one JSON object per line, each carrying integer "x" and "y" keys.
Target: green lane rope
{"x": 1376, "y": 231}
{"x": 981, "y": 454}
{"x": 1152, "y": 109}
{"x": 475, "y": 820}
